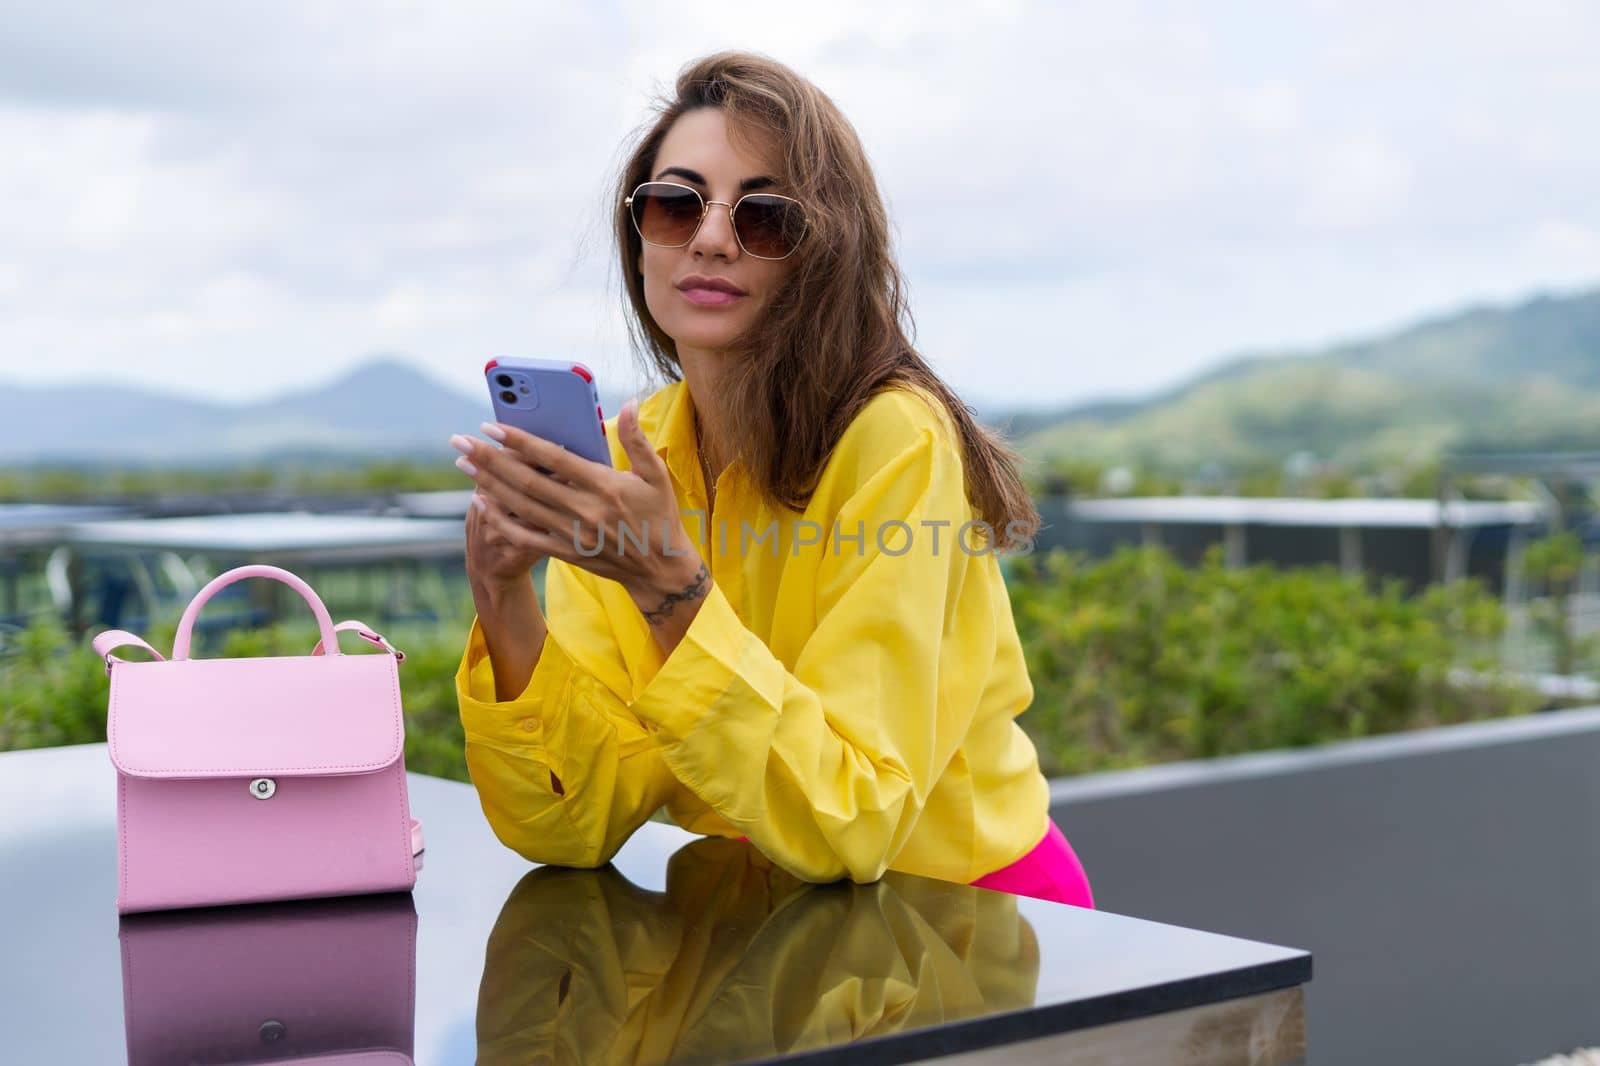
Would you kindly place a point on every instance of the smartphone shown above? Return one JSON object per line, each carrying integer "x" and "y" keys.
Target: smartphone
{"x": 550, "y": 398}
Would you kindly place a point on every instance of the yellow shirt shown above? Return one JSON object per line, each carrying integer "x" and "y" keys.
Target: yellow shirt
{"x": 846, "y": 702}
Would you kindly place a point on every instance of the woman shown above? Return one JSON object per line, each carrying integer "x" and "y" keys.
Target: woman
{"x": 823, "y": 658}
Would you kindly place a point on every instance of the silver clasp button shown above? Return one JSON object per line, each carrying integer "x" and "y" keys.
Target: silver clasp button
{"x": 263, "y": 787}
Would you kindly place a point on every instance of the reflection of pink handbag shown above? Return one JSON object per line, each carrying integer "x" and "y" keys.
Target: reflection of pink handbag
{"x": 267, "y": 778}
{"x": 324, "y": 981}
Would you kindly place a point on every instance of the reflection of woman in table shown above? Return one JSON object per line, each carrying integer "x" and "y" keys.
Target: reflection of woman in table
{"x": 828, "y": 665}
{"x": 738, "y": 960}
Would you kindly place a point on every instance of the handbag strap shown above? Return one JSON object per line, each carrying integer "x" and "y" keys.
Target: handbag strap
{"x": 117, "y": 638}
{"x": 111, "y": 639}
{"x": 362, "y": 630}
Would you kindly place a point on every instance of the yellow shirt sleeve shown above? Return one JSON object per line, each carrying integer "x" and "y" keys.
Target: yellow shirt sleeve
{"x": 826, "y": 768}
{"x": 564, "y": 772}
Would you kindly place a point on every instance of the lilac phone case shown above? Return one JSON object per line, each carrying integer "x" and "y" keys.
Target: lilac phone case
{"x": 550, "y": 398}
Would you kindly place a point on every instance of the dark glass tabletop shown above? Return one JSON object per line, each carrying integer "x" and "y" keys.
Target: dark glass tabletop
{"x": 685, "y": 949}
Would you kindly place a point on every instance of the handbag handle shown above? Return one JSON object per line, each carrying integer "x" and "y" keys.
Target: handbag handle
{"x": 180, "y": 645}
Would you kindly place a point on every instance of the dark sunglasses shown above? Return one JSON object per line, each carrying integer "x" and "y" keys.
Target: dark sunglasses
{"x": 766, "y": 225}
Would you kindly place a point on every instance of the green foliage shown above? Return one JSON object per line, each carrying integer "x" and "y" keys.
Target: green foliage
{"x": 1137, "y": 659}
{"x": 1334, "y": 485}
{"x": 1134, "y": 659}
{"x": 109, "y": 484}
{"x": 1421, "y": 481}
{"x": 51, "y": 693}
{"x": 1554, "y": 562}
{"x": 1065, "y": 475}
{"x": 434, "y": 739}
{"x": 1073, "y": 477}
{"x": 1261, "y": 480}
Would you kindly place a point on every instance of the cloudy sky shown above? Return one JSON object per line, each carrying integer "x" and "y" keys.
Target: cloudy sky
{"x": 236, "y": 199}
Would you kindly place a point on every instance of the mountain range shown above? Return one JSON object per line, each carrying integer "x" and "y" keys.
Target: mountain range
{"x": 1485, "y": 378}
{"x": 384, "y": 407}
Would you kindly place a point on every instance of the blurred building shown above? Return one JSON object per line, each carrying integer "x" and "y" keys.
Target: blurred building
{"x": 1416, "y": 540}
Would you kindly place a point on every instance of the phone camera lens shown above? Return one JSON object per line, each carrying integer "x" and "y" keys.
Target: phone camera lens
{"x": 508, "y": 396}
{"x": 503, "y": 380}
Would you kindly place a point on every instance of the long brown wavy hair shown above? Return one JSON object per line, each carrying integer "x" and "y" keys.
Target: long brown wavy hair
{"x": 838, "y": 330}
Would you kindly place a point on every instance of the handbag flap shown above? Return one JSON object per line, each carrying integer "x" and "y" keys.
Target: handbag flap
{"x": 265, "y": 716}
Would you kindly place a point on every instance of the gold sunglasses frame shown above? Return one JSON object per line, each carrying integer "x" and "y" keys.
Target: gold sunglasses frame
{"x": 705, "y": 209}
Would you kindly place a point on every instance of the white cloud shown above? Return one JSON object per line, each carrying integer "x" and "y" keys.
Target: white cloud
{"x": 1569, "y": 250}
{"x": 1361, "y": 181}
{"x": 1089, "y": 199}
{"x": 1271, "y": 107}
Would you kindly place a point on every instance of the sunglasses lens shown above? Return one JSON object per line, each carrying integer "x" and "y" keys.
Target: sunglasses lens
{"x": 769, "y": 226}
{"x": 666, "y": 214}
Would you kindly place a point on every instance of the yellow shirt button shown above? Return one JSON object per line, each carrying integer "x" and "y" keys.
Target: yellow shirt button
{"x": 529, "y": 725}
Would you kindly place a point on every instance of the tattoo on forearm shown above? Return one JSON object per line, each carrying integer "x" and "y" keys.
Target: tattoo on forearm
{"x": 694, "y": 590}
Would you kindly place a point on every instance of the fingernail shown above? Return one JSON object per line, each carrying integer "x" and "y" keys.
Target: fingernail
{"x": 466, "y": 467}
{"x": 477, "y": 501}
{"x": 492, "y": 430}
{"x": 461, "y": 444}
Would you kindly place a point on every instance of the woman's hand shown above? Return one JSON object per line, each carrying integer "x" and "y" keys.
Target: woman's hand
{"x": 526, "y": 515}
{"x": 495, "y": 559}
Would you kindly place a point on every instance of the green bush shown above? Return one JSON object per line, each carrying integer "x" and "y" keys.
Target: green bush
{"x": 76, "y": 483}
{"x": 1554, "y": 563}
{"x": 51, "y": 693}
{"x": 1137, "y": 659}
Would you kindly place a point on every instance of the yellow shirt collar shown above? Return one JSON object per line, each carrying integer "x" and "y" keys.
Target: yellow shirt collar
{"x": 667, "y": 419}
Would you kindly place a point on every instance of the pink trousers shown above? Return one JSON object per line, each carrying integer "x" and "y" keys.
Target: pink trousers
{"x": 1050, "y": 871}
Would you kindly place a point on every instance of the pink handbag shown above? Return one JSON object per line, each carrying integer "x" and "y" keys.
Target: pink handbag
{"x": 325, "y": 981}
{"x": 265, "y": 778}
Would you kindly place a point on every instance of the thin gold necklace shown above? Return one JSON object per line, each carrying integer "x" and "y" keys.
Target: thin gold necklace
{"x": 711, "y": 498}
{"x": 705, "y": 464}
